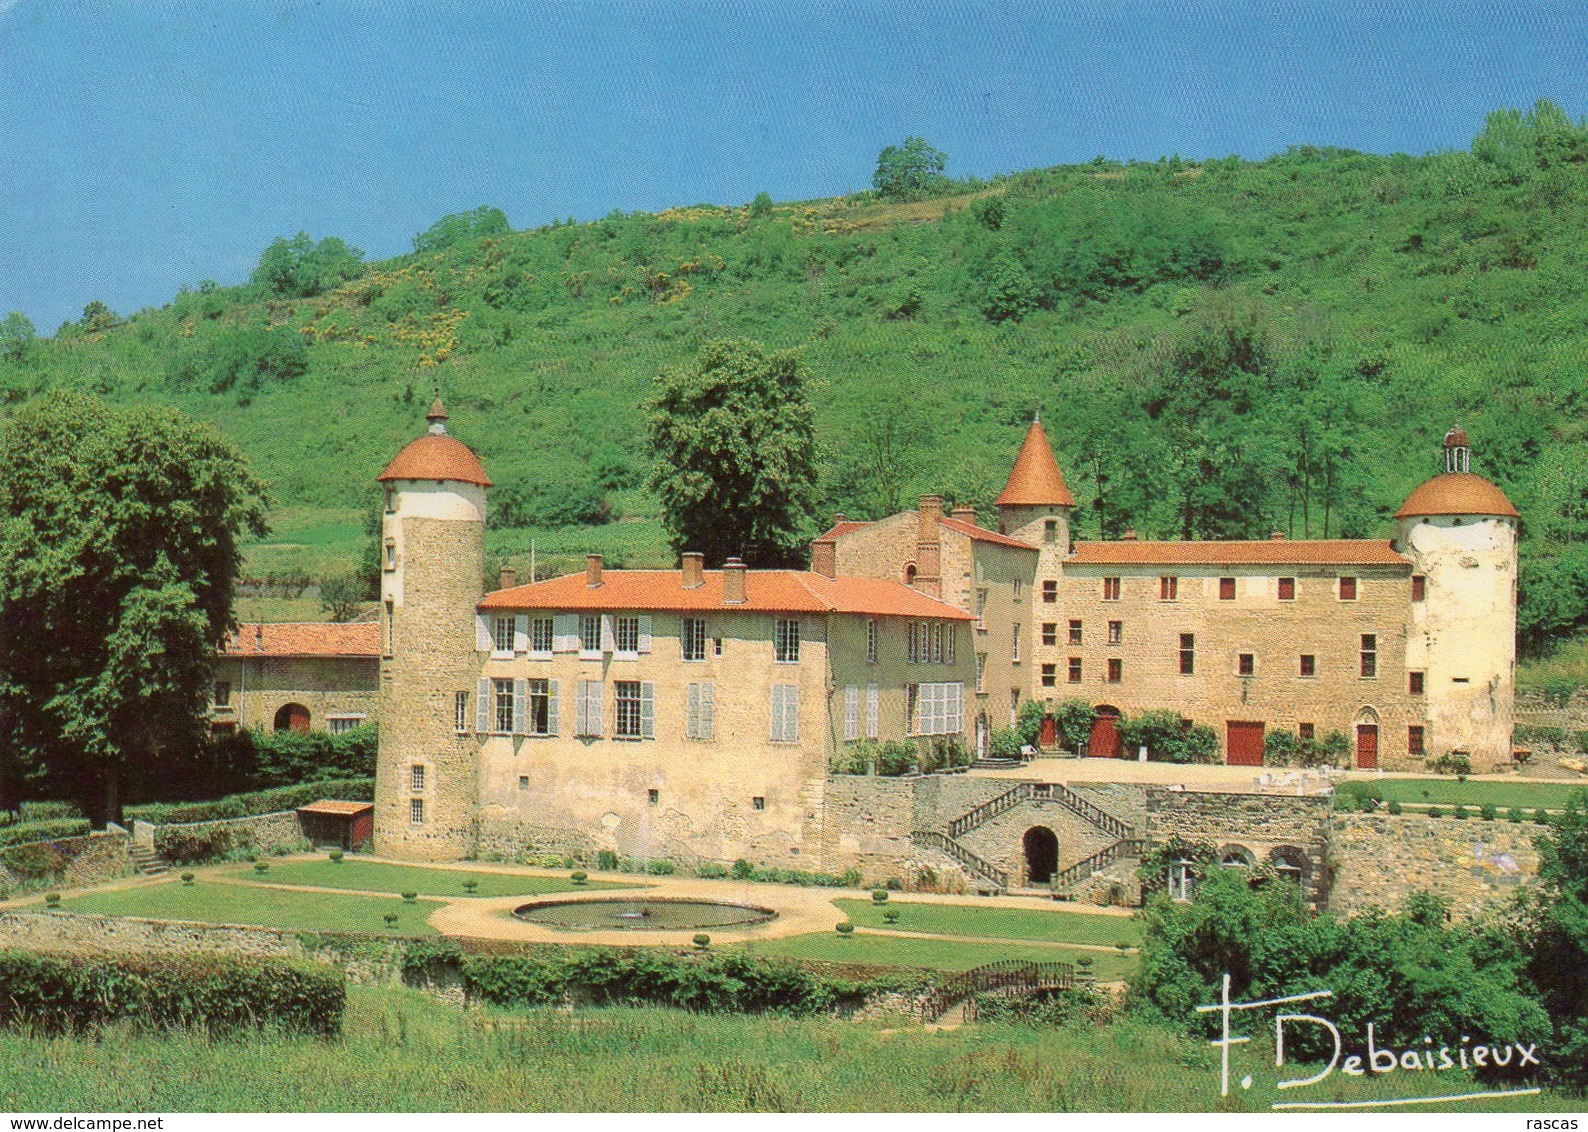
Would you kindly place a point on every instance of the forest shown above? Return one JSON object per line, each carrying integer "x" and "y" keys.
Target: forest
{"x": 1218, "y": 349}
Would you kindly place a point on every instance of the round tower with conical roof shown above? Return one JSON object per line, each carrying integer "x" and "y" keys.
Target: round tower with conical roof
{"x": 432, "y": 566}
{"x": 1035, "y": 504}
{"x": 1461, "y": 533}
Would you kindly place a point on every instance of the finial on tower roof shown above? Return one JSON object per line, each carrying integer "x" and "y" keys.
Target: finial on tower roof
{"x": 437, "y": 416}
{"x": 1036, "y": 415}
{"x": 1458, "y": 450}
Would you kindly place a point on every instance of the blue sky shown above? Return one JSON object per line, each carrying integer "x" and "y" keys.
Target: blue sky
{"x": 147, "y": 145}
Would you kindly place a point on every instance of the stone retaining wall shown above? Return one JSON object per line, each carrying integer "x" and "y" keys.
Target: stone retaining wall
{"x": 1261, "y": 824}
{"x": 265, "y": 833}
{"x": 1380, "y": 859}
{"x": 91, "y": 859}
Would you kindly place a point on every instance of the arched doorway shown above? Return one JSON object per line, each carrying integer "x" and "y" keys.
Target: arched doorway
{"x": 1048, "y": 737}
{"x": 292, "y": 717}
{"x": 1042, "y": 854}
{"x": 1104, "y": 743}
{"x": 1367, "y": 739}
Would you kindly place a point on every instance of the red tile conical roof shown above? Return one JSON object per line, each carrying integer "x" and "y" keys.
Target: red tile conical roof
{"x": 1036, "y": 480}
{"x": 1457, "y": 493}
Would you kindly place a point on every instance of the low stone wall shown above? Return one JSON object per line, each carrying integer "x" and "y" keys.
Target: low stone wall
{"x": 866, "y": 825}
{"x": 266, "y": 833}
{"x": 1381, "y": 859}
{"x": 1261, "y": 824}
{"x": 91, "y": 859}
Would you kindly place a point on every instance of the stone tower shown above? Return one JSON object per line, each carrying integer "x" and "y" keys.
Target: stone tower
{"x": 1035, "y": 505}
{"x": 1461, "y": 534}
{"x": 432, "y": 562}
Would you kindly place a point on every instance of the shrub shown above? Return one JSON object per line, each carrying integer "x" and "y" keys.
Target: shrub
{"x": 702, "y": 941}
{"x": 1028, "y": 722}
{"x": 1515, "y": 814}
{"x": 1073, "y": 719}
{"x": 579, "y": 877}
{"x": 711, "y": 870}
{"x": 1455, "y": 762}
{"x": 336, "y": 856}
{"x": 1459, "y": 813}
{"x": 1394, "y": 807}
{"x": 50, "y": 829}
{"x": 893, "y": 884}
{"x": 261, "y": 867}
{"x": 742, "y": 869}
{"x": 47, "y": 811}
{"x": 1003, "y": 743}
{"x": 1281, "y": 748}
{"x": 1488, "y": 813}
{"x": 52, "y": 899}
{"x": 855, "y": 758}
{"x": 391, "y": 920}
{"x": 187, "y": 878}
{"x": 197, "y": 845}
{"x": 1167, "y": 739}
{"x": 35, "y": 861}
{"x": 660, "y": 868}
{"x": 846, "y": 929}
{"x": 221, "y": 994}
{"x": 430, "y": 960}
{"x": 1540, "y": 816}
{"x": 879, "y": 896}
{"x": 271, "y": 801}
{"x": 410, "y": 898}
{"x": 896, "y": 757}
{"x": 1435, "y": 812}
{"x": 890, "y": 915}
{"x": 471, "y": 886}
{"x": 607, "y": 861}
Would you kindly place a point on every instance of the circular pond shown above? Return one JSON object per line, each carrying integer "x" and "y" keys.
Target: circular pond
{"x": 656, "y": 915}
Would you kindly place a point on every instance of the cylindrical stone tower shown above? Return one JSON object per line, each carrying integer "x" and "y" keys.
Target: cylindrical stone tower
{"x": 432, "y": 563}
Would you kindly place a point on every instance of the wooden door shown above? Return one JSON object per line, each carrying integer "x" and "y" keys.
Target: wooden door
{"x": 1104, "y": 743}
{"x": 1049, "y": 737}
{"x": 1366, "y": 746}
{"x": 1243, "y": 743}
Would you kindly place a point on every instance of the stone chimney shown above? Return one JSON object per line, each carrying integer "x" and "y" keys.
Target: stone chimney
{"x": 824, "y": 557}
{"x": 1129, "y": 535}
{"x": 964, "y": 513}
{"x": 694, "y": 574}
{"x": 592, "y": 570}
{"x": 733, "y": 572}
{"x": 929, "y": 547}
{"x": 506, "y": 578}
{"x": 931, "y": 511}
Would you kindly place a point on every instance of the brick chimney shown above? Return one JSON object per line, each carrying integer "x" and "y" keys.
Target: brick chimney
{"x": 931, "y": 511}
{"x": 964, "y": 513}
{"x": 694, "y": 574}
{"x": 592, "y": 570}
{"x": 733, "y": 572}
{"x": 506, "y": 578}
{"x": 929, "y": 547}
{"x": 824, "y": 557}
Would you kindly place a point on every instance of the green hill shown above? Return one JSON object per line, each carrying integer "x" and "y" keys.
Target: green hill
{"x": 1218, "y": 350}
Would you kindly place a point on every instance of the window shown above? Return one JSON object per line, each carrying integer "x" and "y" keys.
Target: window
{"x": 502, "y": 634}
{"x": 542, "y": 715}
{"x": 1116, "y": 670}
{"x": 981, "y": 672}
{"x": 873, "y": 702}
{"x": 1014, "y": 706}
{"x": 589, "y": 634}
{"x": 1075, "y": 632}
{"x": 1309, "y": 664}
{"x": 416, "y": 811}
{"x": 694, "y": 638}
{"x": 223, "y": 693}
{"x": 871, "y": 642}
{"x": 1226, "y": 589}
{"x": 1168, "y": 587}
{"x": 758, "y": 803}
{"x": 502, "y": 699}
{"x": 950, "y": 631}
{"x": 851, "y": 713}
{"x": 1414, "y": 740}
{"x": 981, "y": 611}
{"x": 1050, "y": 633}
{"x": 788, "y": 640}
{"x": 911, "y": 645}
{"x": 1414, "y": 683}
{"x": 541, "y": 634}
{"x": 342, "y": 724}
{"x": 391, "y": 501}
{"x": 1419, "y": 587}
{"x": 1050, "y": 592}
{"x": 1116, "y": 632}
{"x": 523, "y": 782}
{"x": 717, "y": 645}
{"x": 1050, "y": 531}
{"x": 390, "y": 560}
{"x": 1018, "y": 584}
{"x": 937, "y": 642}
{"x": 636, "y": 711}
{"x": 1369, "y": 655}
{"x": 1287, "y": 589}
{"x": 1245, "y": 664}
{"x": 628, "y": 635}
{"x": 1306, "y": 731}
{"x": 1110, "y": 589}
{"x": 700, "y": 722}
{"x": 416, "y": 778}
{"x": 1050, "y": 675}
{"x": 588, "y": 709}
{"x": 653, "y": 796}
{"x": 785, "y": 713}
{"x": 1014, "y": 647}
{"x": 1188, "y": 654}
{"x": 1347, "y": 589}
{"x": 460, "y": 712}
{"x": 938, "y": 709}
{"x": 1075, "y": 670}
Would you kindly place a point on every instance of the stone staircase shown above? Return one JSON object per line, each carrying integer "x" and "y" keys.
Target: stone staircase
{"x": 147, "y": 861}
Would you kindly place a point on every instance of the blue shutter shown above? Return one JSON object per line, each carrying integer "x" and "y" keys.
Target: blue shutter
{"x": 482, "y": 708}
{"x": 647, "y": 710}
{"x": 565, "y": 632}
{"x": 520, "y": 706}
{"x": 551, "y": 708}
{"x": 482, "y": 633}
{"x": 708, "y": 711}
{"x": 645, "y": 632}
{"x": 521, "y": 633}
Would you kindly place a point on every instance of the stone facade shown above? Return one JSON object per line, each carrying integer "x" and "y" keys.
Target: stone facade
{"x": 1380, "y": 859}
{"x": 1254, "y": 829}
{"x": 327, "y": 688}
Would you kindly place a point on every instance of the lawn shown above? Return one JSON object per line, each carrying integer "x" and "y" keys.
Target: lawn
{"x": 1453, "y": 792}
{"x": 219, "y": 903}
{"x": 938, "y": 954}
{"x": 1057, "y": 926}
{"x": 377, "y": 876}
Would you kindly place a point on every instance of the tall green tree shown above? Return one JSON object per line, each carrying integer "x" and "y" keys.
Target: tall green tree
{"x": 1559, "y": 947}
{"x": 734, "y": 443}
{"x": 910, "y": 171}
{"x": 16, "y": 336}
{"x": 456, "y": 227}
{"x": 119, "y": 539}
{"x": 301, "y": 267}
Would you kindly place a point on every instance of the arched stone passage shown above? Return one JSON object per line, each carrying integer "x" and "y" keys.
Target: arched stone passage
{"x": 1042, "y": 854}
{"x": 292, "y": 717}
{"x": 1236, "y": 857}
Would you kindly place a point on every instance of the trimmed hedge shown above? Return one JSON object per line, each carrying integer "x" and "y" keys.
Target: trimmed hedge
{"x": 54, "y": 829}
{"x": 257, "y": 802}
{"x": 59, "y": 993}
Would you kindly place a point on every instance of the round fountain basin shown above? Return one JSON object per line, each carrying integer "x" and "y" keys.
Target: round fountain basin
{"x": 633, "y": 915}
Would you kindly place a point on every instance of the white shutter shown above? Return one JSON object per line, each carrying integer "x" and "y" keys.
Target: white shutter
{"x": 873, "y": 702}
{"x": 520, "y": 707}
{"x": 598, "y": 713}
{"x": 647, "y": 710}
{"x": 521, "y": 633}
{"x": 482, "y": 708}
{"x": 565, "y": 632}
{"x": 482, "y": 633}
{"x": 692, "y": 713}
{"x": 645, "y": 632}
{"x": 775, "y": 731}
{"x": 581, "y": 708}
{"x": 609, "y": 640}
{"x": 551, "y": 708}
{"x": 708, "y": 711}
{"x": 851, "y": 713}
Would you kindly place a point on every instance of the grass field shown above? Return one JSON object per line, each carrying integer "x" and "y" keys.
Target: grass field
{"x": 376, "y": 876}
{"x": 938, "y": 954}
{"x": 1450, "y": 792}
{"x": 999, "y": 923}
{"x": 406, "y": 1052}
{"x": 219, "y": 903}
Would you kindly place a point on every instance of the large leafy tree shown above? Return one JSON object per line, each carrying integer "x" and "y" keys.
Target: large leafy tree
{"x": 457, "y": 227}
{"x": 734, "y": 444}
{"x": 1559, "y": 947}
{"x": 301, "y": 267}
{"x": 118, "y": 548}
{"x": 909, "y": 171}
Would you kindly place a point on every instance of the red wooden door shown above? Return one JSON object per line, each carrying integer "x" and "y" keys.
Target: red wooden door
{"x": 1104, "y": 743}
{"x": 1049, "y": 736}
{"x": 1243, "y": 743}
{"x": 1366, "y": 746}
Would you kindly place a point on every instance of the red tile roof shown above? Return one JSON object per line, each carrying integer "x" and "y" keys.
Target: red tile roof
{"x": 1036, "y": 480}
{"x": 1457, "y": 493}
{"x": 436, "y": 456}
{"x": 839, "y": 530}
{"x": 311, "y": 638}
{"x": 766, "y": 591}
{"x": 981, "y": 534}
{"x": 1269, "y": 552}
{"x": 337, "y": 809}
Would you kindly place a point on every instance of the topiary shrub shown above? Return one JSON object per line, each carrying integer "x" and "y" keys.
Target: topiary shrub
{"x": 471, "y": 886}
{"x": 261, "y": 867}
{"x": 702, "y": 941}
{"x": 846, "y": 929}
{"x": 187, "y": 878}
{"x": 336, "y": 856}
{"x": 391, "y": 920}
{"x": 410, "y": 898}
{"x": 879, "y": 896}
{"x": 52, "y": 899}
{"x": 890, "y": 915}
{"x": 579, "y": 878}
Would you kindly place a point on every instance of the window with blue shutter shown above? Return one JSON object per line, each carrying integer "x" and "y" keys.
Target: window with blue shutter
{"x": 482, "y": 708}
